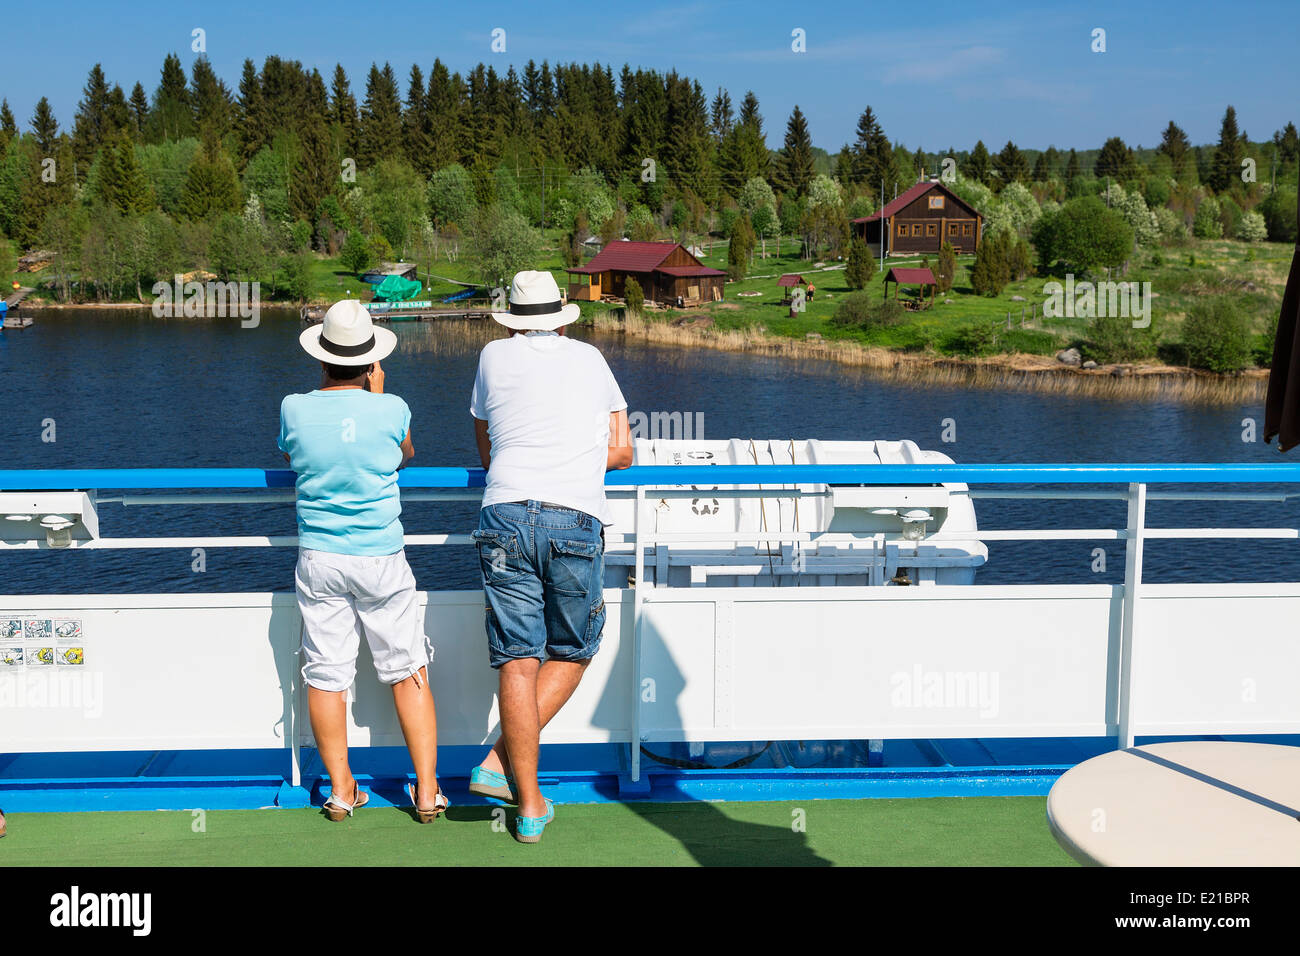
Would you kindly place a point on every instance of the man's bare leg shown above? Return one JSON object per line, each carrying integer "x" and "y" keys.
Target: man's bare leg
{"x": 556, "y": 682}
{"x": 419, "y": 719}
{"x": 520, "y": 727}
{"x": 328, "y": 710}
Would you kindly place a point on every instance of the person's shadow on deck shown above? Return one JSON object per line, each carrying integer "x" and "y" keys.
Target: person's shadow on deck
{"x": 712, "y": 835}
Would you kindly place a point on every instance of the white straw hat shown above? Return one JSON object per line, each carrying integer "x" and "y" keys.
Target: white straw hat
{"x": 347, "y": 336}
{"x": 535, "y": 304}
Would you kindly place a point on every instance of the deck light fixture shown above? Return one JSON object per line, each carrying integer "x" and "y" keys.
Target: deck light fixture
{"x": 56, "y": 530}
{"x": 914, "y": 524}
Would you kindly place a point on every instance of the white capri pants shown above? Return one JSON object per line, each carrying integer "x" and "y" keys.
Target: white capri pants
{"x": 342, "y": 595}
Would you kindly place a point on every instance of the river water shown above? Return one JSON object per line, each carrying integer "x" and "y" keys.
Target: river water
{"x": 125, "y": 389}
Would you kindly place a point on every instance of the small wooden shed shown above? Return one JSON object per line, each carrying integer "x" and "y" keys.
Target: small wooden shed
{"x": 667, "y": 273}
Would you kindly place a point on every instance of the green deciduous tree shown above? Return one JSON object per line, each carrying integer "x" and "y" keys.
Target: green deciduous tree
{"x": 1083, "y": 234}
{"x": 502, "y": 243}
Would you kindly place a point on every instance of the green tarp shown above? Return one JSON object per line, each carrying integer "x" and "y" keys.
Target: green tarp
{"x": 396, "y": 289}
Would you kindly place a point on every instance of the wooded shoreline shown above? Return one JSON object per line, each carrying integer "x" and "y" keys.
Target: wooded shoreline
{"x": 1012, "y": 372}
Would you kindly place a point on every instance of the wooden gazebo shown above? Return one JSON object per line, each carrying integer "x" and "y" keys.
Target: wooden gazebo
{"x": 917, "y": 277}
{"x": 790, "y": 281}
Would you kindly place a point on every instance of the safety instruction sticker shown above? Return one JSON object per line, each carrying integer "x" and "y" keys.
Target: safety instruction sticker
{"x": 30, "y": 641}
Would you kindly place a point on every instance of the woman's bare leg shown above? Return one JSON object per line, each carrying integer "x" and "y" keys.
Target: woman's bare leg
{"x": 419, "y": 719}
{"x": 329, "y": 725}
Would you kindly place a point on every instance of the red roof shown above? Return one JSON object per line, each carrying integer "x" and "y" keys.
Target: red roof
{"x": 791, "y": 279}
{"x": 627, "y": 256}
{"x": 910, "y": 276}
{"x": 689, "y": 271}
{"x": 898, "y": 202}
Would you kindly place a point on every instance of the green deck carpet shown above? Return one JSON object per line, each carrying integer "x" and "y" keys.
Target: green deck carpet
{"x": 954, "y": 831}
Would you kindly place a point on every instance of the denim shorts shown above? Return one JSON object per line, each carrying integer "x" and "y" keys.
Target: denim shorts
{"x": 543, "y": 568}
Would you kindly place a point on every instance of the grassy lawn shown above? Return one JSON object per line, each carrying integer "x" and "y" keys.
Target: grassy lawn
{"x": 1178, "y": 276}
{"x": 970, "y": 831}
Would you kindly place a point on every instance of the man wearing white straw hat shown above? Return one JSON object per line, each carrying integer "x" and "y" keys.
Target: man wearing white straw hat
{"x": 549, "y": 421}
{"x": 346, "y": 441}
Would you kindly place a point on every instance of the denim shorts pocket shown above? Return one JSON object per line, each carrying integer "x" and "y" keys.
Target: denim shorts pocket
{"x": 498, "y": 554}
{"x": 573, "y": 566}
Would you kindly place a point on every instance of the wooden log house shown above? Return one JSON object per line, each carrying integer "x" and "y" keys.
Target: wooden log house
{"x": 919, "y": 220}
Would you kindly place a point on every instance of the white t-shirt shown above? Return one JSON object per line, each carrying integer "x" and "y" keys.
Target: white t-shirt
{"x": 547, "y": 401}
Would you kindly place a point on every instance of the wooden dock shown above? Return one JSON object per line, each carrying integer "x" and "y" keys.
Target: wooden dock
{"x": 12, "y": 301}
{"x": 17, "y": 297}
{"x": 312, "y": 315}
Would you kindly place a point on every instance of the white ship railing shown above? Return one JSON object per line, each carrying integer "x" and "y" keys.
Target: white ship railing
{"x": 751, "y": 481}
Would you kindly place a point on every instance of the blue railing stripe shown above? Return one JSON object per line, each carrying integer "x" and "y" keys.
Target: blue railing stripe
{"x": 214, "y": 478}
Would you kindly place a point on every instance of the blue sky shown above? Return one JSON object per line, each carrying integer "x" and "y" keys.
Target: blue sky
{"x": 995, "y": 71}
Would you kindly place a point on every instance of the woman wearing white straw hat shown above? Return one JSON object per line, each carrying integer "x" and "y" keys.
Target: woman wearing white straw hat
{"x": 549, "y": 421}
{"x": 346, "y": 441}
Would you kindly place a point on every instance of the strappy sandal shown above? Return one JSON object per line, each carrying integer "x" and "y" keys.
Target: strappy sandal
{"x": 338, "y": 809}
{"x": 440, "y": 805}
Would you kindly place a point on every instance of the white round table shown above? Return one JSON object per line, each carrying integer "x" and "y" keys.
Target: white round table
{"x": 1190, "y": 803}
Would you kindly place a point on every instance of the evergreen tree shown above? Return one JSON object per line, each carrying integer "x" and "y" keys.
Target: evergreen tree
{"x": 139, "y": 105}
{"x": 381, "y": 115}
{"x": 721, "y": 117}
{"x": 416, "y": 127}
{"x": 1011, "y": 165}
{"x": 1116, "y": 161}
{"x": 946, "y": 270}
{"x": 211, "y": 186}
{"x": 1288, "y": 144}
{"x": 687, "y": 150}
{"x": 861, "y": 265}
{"x": 45, "y": 127}
{"x": 313, "y": 169}
{"x": 992, "y": 269}
{"x": 1226, "y": 169}
{"x": 172, "y": 115}
{"x": 977, "y": 167}
{"x": 740, "y": 248}
{"x": 254, "y": 130}
{"x": 8, "y": 128}
{"x": 1042, "y": 170}
{"x": 794, "y": 167}
{"x": 444, "y": 105}
{"x": 872, "y": 159}
{"x": 123, "y": 184}
{"x": 1174, "y": 144}
{"x": 210, "y": 99}
{"x": 1071, "y": 170}
{"x": 92, "y": 124}
{"x": 343, "y": 114}
{"x": 119, "y": 111}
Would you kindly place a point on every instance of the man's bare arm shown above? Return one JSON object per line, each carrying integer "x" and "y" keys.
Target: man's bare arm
{"x": 483, "y": 442}
{"x": 620, "y": 442}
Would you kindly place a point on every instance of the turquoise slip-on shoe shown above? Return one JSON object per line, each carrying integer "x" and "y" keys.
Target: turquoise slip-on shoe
{"x": 489, "y": 783}
{"x": 529, "y": 829}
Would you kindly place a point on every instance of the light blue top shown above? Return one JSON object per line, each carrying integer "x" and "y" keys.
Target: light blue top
{"x": 345, "y": 445}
